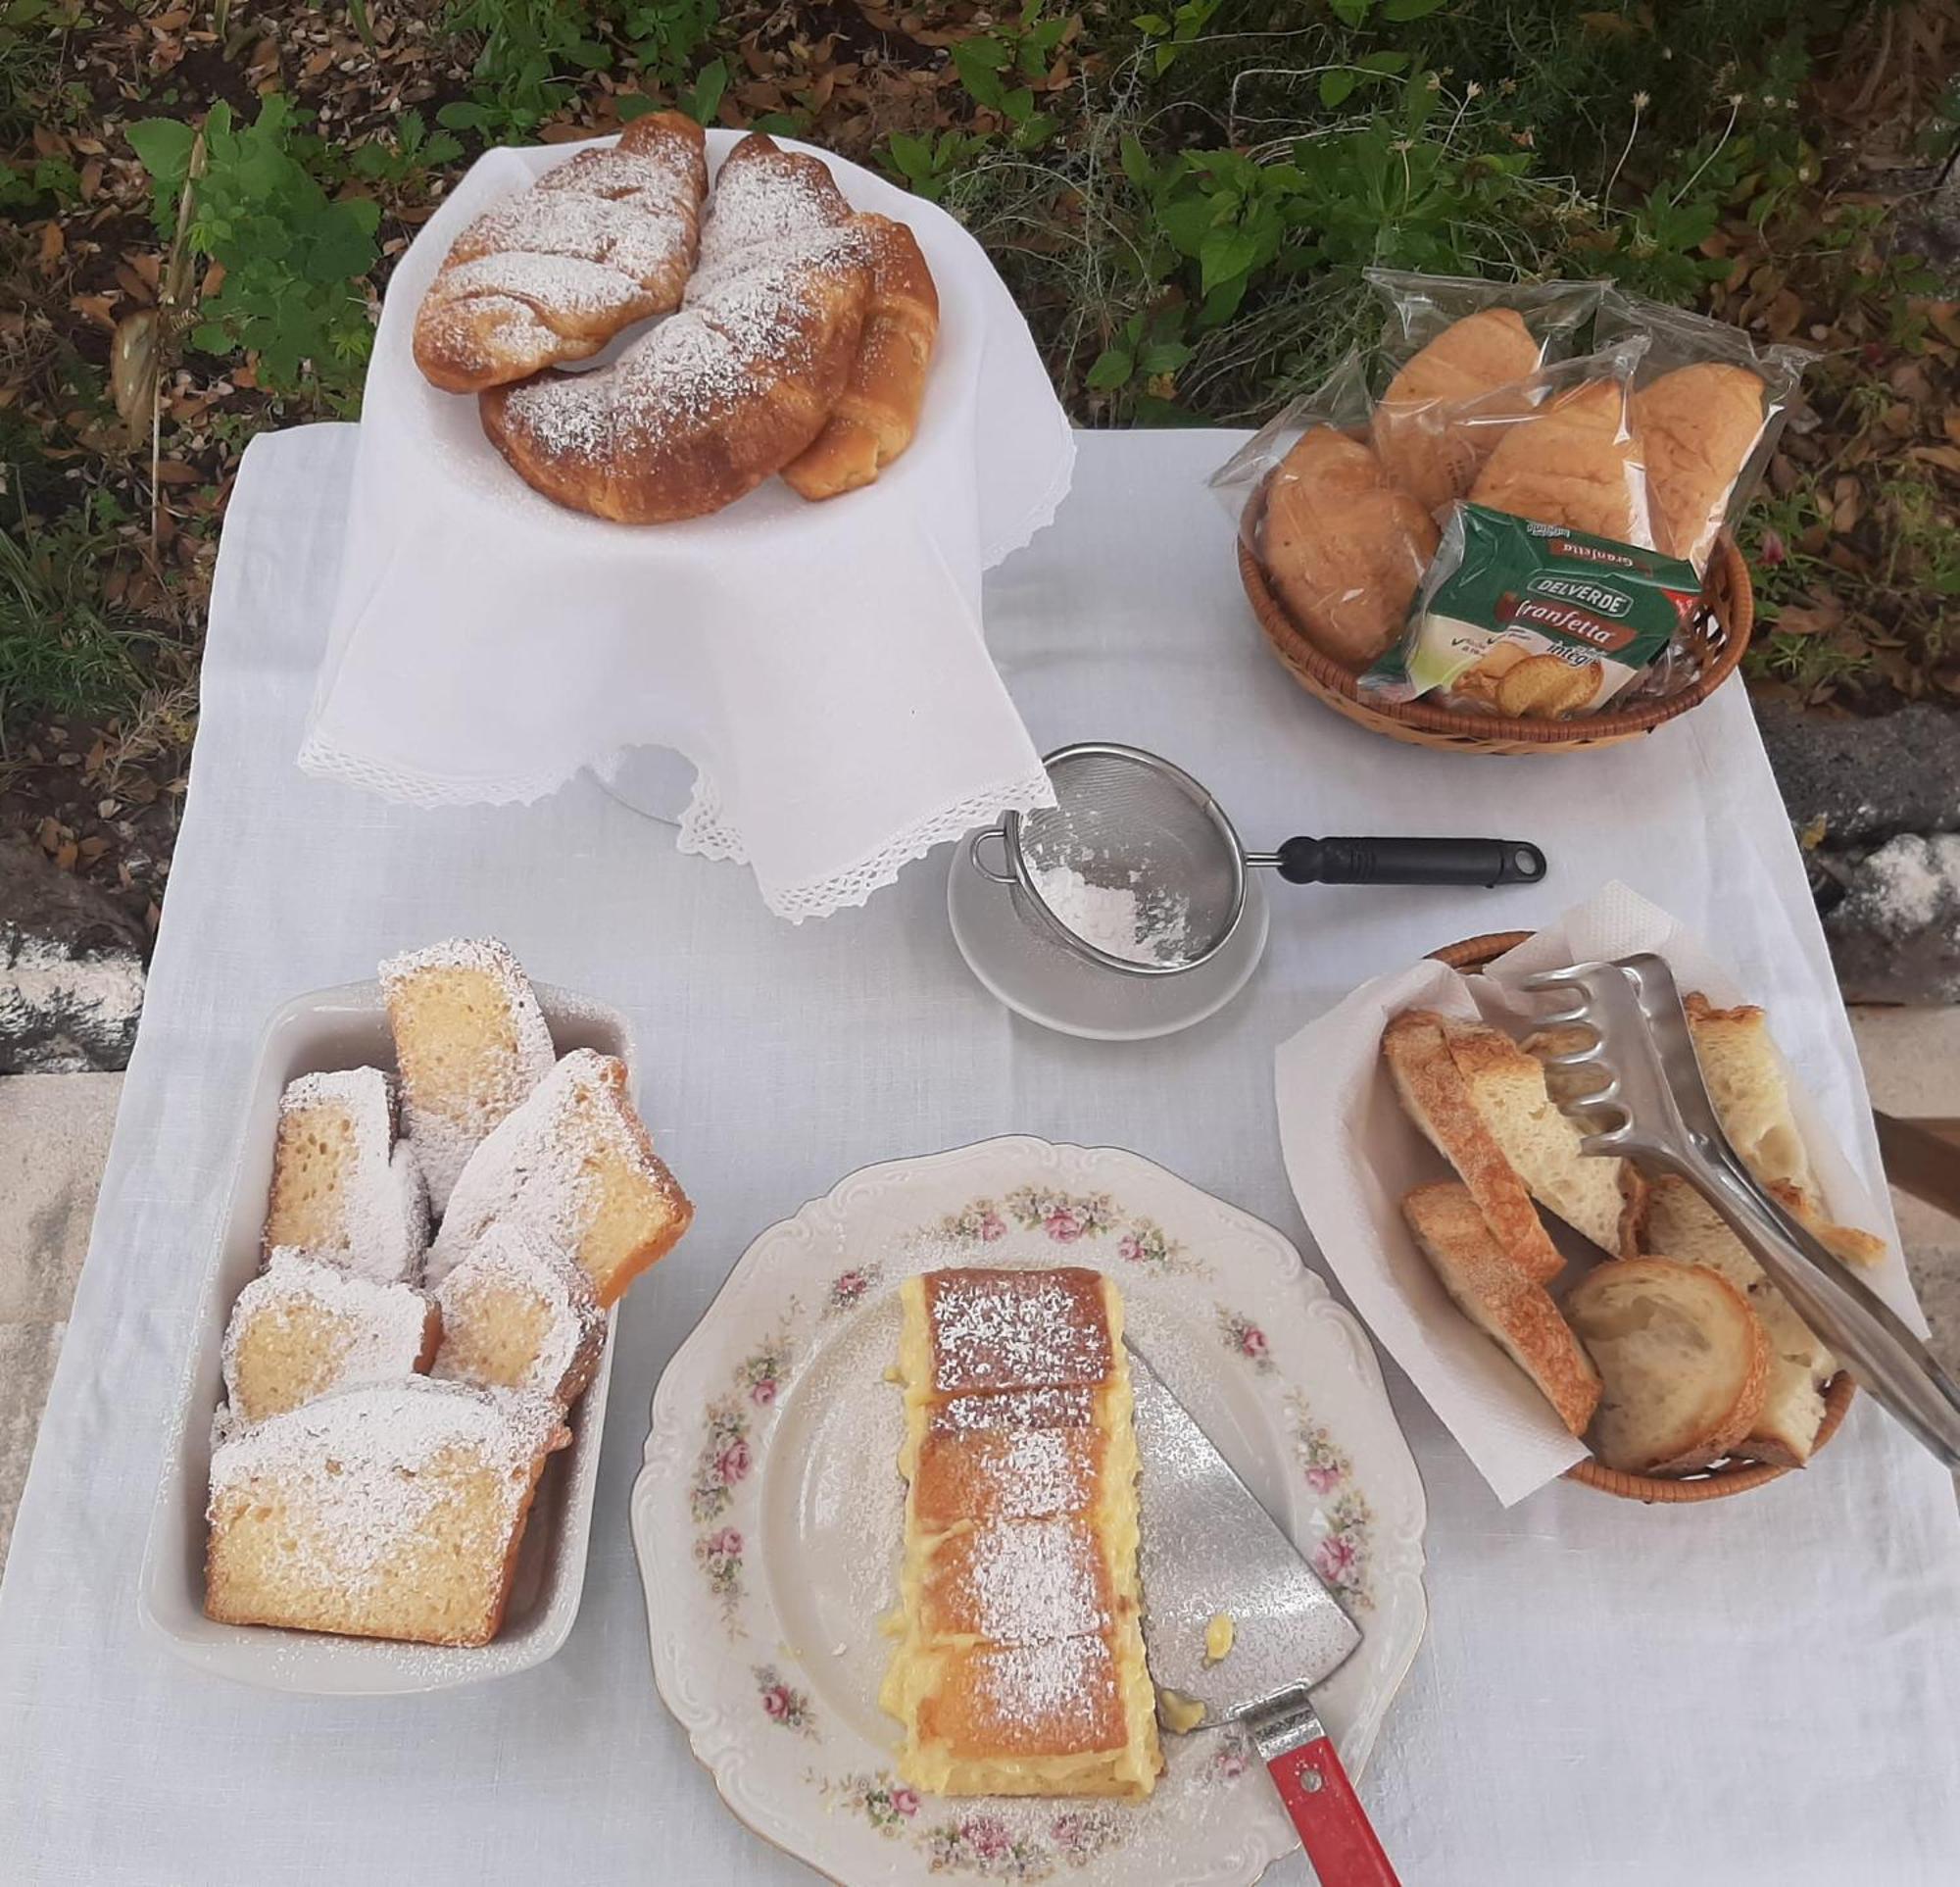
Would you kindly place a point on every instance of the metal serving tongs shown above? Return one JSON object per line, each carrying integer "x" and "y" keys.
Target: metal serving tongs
{"x": 1651, "y": 1083}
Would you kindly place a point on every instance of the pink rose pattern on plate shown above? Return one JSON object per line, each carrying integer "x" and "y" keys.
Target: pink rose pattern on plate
{"x": 1068, "y": 1218}
{"x": 1244, "y": 1338}
{"x": 850, "y": 1288}
{"x": 984, "y": 1844}
{"x": 783, "y": 1702}
{"x": 725, "y": 1462}
{"x": 1342, "y": 1512}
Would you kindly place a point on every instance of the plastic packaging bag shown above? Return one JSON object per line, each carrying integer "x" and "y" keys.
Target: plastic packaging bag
{"x": 1341, "y": 547}
{"x": 1559, "y": 448}
{"x": 1532, "y": 620}
{"x": 1450, "y": 340}
{"x": 1709, "y": 406}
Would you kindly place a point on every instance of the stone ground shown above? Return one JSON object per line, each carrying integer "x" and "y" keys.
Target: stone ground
{"x": 54, "y": 1137}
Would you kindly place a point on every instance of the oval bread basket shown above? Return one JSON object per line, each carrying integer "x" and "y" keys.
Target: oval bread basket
{"x": 1725, "y": 1477}
{"x": 1721, "y": 633}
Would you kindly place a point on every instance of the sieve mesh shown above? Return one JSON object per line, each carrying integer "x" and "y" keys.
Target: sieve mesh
{"x": 1127, "y": 823}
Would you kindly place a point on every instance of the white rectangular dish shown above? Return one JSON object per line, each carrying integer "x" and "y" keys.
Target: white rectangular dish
{"x": 339, "y": 1029}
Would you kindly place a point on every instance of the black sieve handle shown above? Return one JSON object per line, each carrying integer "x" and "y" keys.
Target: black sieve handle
{"x": 1485, "y": 861}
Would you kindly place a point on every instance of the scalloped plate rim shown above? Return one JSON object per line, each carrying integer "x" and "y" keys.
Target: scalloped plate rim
{"x": 721, "y": 1757}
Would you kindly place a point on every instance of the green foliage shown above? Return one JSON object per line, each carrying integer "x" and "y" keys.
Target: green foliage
{"x": 1211, "y": 228}
{"x": 928, "y": 165}
{"x": 530, "y": 56}
{"x": 534, "y": 58}
{"x": 62, "y": 650}
{"x": 666, "y": 38}
{"x": 1175, "y": 32}
{"x": 412, "y": 154}
{"x": 996, "y": 66}
{"x": 293, "y": 257}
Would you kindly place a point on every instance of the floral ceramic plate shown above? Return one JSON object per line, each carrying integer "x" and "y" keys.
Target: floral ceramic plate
{"x": 769, "y": 1513}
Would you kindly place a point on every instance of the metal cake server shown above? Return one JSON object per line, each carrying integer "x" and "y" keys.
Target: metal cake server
{"x": 1209, "y": 1547}
{"x": 1649, "y": 1103}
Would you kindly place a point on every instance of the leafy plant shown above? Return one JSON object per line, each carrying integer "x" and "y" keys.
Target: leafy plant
{"x": 666, "y": 36}
{"x": 1001, "y": 68}
{"x": 401, "y": 163}
{"x": 292, "y": 258}
{"x": 1175, "y": 32}
{"x": 530, "y": 55}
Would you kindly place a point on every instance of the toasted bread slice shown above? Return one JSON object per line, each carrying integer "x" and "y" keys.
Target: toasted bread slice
{"x": 1745, "y": 1080}
{"x": 1683, "y": 1224}
{"x": 1541, "y": 687}
{"x": 1438, "y": 1100}
{"x": 1601, "y": 1199}
{"x": 1682, "y": 1358}
{"x": 1506, "y": 1304}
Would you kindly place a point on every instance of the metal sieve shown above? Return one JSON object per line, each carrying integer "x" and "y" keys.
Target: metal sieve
{"x": 1137, "y": 868}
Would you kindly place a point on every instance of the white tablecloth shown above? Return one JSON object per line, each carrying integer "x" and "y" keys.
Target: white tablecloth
{"x": 1762, "y": 1690}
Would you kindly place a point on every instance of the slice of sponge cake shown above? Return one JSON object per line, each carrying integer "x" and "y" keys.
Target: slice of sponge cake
{"x": 389, "y": 1512}
{"x": 518, "y": 1316}
{"x": 574, "y": 1168}
{"x": 470, "y": 1042}
{"x": 342, "y": 1189}
{"x": 304, "y": 1328}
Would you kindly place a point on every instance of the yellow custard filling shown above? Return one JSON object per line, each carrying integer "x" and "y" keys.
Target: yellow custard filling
{"x": 1020, "y": 1665}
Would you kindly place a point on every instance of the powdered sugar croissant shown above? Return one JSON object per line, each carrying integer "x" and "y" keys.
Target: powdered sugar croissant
{"x": 727, "y": 392}
{"x": 555, "y": 272}
{"x": 874, "y": 421}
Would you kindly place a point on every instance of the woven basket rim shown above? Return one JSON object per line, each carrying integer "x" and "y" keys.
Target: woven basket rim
{"x": 1727, "y": 1477}
{"x": 1731, "y": 610}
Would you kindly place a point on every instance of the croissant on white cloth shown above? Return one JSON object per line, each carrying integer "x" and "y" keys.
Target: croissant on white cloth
{"x": 802, "y": 343}
{"x": 553, "y": 273}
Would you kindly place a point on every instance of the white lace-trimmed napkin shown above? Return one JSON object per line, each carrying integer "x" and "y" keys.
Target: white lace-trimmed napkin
{"x": 1351, "y": 1154}
{"x": 822, "y": 664}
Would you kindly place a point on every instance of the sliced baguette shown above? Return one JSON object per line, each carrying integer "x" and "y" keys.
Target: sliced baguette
{"x": 1438, "y": 1100}
{"x": 1599, "y": 1199}
{"x": 1681, "y": 1223}
{"x": 1745, "y": 1076}
{"x": 1682, "y": 1358}
{"x": 1506, "y": 1304}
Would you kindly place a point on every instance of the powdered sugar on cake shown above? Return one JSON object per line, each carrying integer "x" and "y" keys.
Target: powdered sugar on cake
{"x": 445, "y": 1135}
{"x": 1033, "y": 1580}
{"x": 350, "y": 1464}
{"x": 504, "y": 1257}
{"x": 1040, "y": 1474}
{"x": 383, "y": 1202}
{"x": 1015, "y": 1329}
{"x": 535, "y": 1169}
{"x": 1057, "y": 1686}
{"x": 387, "y": 1322}
{"x": 1015, "y": 1408}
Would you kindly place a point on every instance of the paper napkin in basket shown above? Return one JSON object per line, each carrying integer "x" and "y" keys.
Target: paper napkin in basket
{"x": 1352, "y": 1153}
{"x": 821, "y": 664}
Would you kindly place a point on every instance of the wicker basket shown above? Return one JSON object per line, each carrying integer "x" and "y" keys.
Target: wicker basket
{"x": 1725, "y": 1477}
{"x": 1721, "y": 631}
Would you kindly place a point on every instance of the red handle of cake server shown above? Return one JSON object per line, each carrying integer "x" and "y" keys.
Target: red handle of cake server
{"x": 1334, "y": 1827}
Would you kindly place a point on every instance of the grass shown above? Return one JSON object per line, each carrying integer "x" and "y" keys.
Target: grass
{"x": 63, "y": 649}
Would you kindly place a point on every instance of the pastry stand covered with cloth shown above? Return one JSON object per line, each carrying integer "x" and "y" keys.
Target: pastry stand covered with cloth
{"x": 822, "y": 665}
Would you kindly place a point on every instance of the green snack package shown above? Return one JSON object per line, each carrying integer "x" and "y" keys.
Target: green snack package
{"x": 1520, "y": 618}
